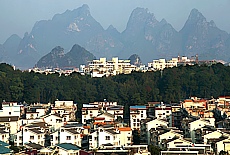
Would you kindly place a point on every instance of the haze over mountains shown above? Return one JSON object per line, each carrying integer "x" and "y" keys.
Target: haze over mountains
{"x": 144, "y": 36}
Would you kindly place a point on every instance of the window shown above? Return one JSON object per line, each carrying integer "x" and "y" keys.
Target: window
{"x": 107, "y": 137}
{"x": 138, "y": 124}
{"x": 167, "y": 111}
{"x": 134, "y": 124}
{"x": 38, "y": 136}
{"x": 68, "y": 137}
{"x": 134, "y": 120}
{"x": 141, "y": 115}
{"x": 56, "y": 138}
{"x": 95, "y": 138}
{"x": 163, "y": 113}
{"x": 75, "y": 137}
{"x": 62, "y": 130}
{"x": 90, "y": 112}
{"x": 141, "y": 111}
{"x": 31, "y": 137}
{"x": 128, "y": 138}
{"x": 138, "y": 120}
{"x": 9, "y": 113}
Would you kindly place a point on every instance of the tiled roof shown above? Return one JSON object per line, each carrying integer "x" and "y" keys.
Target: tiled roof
{"x": 36, "y": 131}
{"x": 3, "y": 132}
{"x": 68, "y": 146}
{"x": 34, "y": 146}
{"x": 3, "y": 143}
{"x": 125, "y": 129}
{"x": 99, "y": 118}
{"x": 73, "y": 131}
{"x": 9, "y": 118}
{"x": 111, "y": 131}
{"x": 4, "y": 150}
{"x": 138, "y": 107}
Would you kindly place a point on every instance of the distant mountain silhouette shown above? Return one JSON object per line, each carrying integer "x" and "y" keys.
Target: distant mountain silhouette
{"x": 58, "y": 59}
{"x": 144, "y": 35}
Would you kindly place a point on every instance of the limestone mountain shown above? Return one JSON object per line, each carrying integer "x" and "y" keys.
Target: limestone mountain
{"x": 148, "y": 37}
{"x": 144, "y": 35}
{"x": 58, "y": 59}
{"x": 135, "y": 60}
{"x": 202, "y": 37}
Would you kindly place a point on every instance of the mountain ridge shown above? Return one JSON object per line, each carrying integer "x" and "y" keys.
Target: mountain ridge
{"x": 143, "y": 35}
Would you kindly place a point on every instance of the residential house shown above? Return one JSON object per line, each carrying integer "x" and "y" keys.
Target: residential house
{"x": 125, "y": 136}
{"x": 67, "y": 149}
{"x": 146, "y": 125}
{"x": 170, "y": 135}
{"x": 163, "y": 111}
{"x": 88, "y": 112}
{"x": 137, "y": 113}
{"x": 117, "y": 111}
{"x": 56, "y": 120}
{"x": 11, "y": 109}
{"x": 11, "y": 122}
{"x": 73, "y": 133}
{"x": 223, "y": 145}
{"x": 104, "y": 135}
{"x": 32, "y": 133}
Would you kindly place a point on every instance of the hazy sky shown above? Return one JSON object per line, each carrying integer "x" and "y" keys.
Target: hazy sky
{"x": 19, "y": 16}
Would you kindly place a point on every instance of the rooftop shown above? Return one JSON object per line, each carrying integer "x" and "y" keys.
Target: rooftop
{"x": 68, "y": 146}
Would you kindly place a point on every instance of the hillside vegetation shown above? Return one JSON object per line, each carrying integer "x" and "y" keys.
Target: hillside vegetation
{"x": 170, "y": 85}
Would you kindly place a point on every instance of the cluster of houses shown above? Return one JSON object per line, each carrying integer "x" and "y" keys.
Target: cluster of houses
{"x": 194, "y": 126}
{"x": 115, "y": 66}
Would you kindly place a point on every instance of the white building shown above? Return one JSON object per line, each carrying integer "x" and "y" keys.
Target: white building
{"x": 112, "y": 67}
{"x": 163, "y": 111}
{"x": 137, "y": 113}
{"x": 11, "y": 109}
{"x": 162, "y": 64}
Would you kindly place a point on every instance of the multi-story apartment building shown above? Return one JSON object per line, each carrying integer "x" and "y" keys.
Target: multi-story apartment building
{"x": 163, "y": 111}
{"x": 11, "y": 109}
{"x": 102, "y": 67}
{"x": 162, "y": 64}
{"x": 137, "y": 113}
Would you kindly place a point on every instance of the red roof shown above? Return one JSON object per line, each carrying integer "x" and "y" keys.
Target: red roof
{"x": 99, "y": 118}
{"x": 125, "y": 129}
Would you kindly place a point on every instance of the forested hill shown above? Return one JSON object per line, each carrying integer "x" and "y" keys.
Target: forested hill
{"x": 170, "y": 85}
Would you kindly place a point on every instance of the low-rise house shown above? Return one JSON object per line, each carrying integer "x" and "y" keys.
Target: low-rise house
{"x": 223, "y": 145}
{"x": 214, "y": 135}
{"x": 11, "y": 122}
{"x": 70, "y": 135}
{"x": 125, "y": 136}
{"x": 11, "y": 109}
{"x": 179, "y": 141}
{"x": 104, "y": 135}
{"x": 56, "y": 120}
{"x": 117, "y": 111}
{"x": 32, "y": 133}
{"x": 170, "y": 135}
{"x": 67, "y": 149}
{"x": 163, "y": 111}
{"x": 146, "y": 125}
{"x": 32, "y": 115}
{"x": 88, "y": 112}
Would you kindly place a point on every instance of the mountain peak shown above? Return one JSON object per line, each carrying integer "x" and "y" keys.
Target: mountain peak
{"x": 163, "y": 21}
{"x": 212, "y": 23}
{"x": 84, "y": 10}
{"x": 195, "y": 16}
